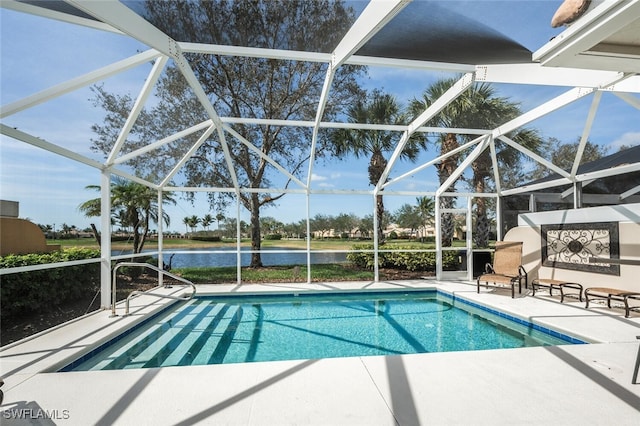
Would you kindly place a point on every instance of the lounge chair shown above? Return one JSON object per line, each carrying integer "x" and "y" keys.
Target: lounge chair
{"x": 612, "y": 294}
{"x": 507, "y": 267}
{"x": 555, "y": 284}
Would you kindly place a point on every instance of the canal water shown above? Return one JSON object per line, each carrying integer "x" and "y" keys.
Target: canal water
{"x": 226, "y": 256}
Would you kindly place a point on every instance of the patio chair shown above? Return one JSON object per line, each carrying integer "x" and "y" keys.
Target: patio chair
{"x": 507, "y": 267}
{"x": 610, "y": 294}
{"x": 555, "y": 284}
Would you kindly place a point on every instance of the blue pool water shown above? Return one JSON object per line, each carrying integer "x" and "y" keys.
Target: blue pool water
{"x": 237, "y": 329}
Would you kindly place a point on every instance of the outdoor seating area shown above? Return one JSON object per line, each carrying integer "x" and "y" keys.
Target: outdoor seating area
{"x": 507, "y": 267}
{"x": 609, "y": 294}
{"x": 557, "y": 285}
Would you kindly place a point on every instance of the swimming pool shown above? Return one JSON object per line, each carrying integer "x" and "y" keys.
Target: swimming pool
{"x": 237, "y": 329}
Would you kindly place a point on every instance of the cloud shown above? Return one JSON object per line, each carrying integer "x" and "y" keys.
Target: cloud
{"x": 627, "y": 139}
{"x": 317, "y": 178}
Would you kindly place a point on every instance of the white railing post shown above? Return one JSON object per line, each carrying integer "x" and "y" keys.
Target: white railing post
{"x": 105, "y": 239}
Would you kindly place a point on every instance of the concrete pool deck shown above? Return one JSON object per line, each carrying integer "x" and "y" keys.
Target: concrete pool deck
{"x": 561, "y": 385}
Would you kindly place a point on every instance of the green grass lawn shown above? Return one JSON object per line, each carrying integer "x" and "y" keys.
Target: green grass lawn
{"x": 287, "y": 273}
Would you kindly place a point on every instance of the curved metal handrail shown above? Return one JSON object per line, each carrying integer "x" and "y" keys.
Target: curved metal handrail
{"x": 137, "y": 292}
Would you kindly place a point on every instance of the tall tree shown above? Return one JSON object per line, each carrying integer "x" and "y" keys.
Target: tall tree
{"x": 206, "y": 221}
{"x": 564, "y": 154}
{"x": 408, "y": 216}
{"x": 488, "y": 111}
{"x": 448, "y": 117}
{"x": 376, "y": 108}
{"x": 241, "y": 86}
{"x": 476, "y": 108}
{"x": 134, "y": 204}
{"x": 426, "y": 211}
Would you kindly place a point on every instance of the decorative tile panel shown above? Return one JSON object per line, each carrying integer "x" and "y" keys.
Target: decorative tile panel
{"x": 570, "y": 245}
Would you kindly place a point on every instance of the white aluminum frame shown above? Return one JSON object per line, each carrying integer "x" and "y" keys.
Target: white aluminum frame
{"x": 113, "y": 16}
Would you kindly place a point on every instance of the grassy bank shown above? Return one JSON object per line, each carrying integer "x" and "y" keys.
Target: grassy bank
{"x": 286, "y": 273}
{"x": 292, "y": 273}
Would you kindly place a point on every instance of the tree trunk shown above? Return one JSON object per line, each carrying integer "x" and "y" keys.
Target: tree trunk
{"x": 446, "y": 169}
{"x": 480, "y": 172}
{"x": 256, "y": 260}
{"x": 380, "y": 215}
{"x": 143, "y": 239}
{"x": 377, "y": 165}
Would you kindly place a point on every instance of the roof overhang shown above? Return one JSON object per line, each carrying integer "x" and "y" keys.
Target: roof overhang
{"x": 606, "y": 38}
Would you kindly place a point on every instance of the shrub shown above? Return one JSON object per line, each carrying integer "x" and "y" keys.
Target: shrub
{"x": 273, "y": 237}
{"x": 134, "y": 272}
{"x": 34, "y": 291}
{"x": 411, "y": 261}
{"x": 205, "y": 236}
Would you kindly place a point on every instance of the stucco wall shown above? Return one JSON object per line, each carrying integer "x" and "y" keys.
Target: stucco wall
{"x": 628, "y": 218}
{"x": 19, "y": 236}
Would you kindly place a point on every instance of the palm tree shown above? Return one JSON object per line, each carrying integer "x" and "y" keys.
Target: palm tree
{"x": 479, "y": 108}
{"x": 206, "y": 221}
{"x": 377, "y": 108}
{"x": 488, "y": 111}
{"x": 134, "y": 204}
{"x": 219, "y": 218}
{"x": 192, "y": 222}
{"x": 448, "y": 117}
{"x": 426, "y": 211}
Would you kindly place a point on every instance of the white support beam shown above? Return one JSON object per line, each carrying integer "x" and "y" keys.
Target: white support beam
{"x": 34, "y": 9}
{"x": 200, "y": 94}
{"x": 496, "y": 168}
{"x": 432, "y": 162}
{"x": 449, "y": 96}
{"x": 570, "y": 191}
{"x": 188, "y": 155}
{"x": 630, "y": 85}
{"x": 144, "y": 94}
{"x": 78, "y": 82}
{"x": 542, "y": 110}
{"x": 262, "y": 155}
{"x": 120, "y": 16}
{"x": 359, "y": 126}
{"x": 634, "y": 101}
{"x": 106, "y": 299}
{"x": 116, "y": 14}
{"x": 534, "y": 156}
{"x": 537, "y": 186}
{"x": 585, "y": 177}
{"x": 375, "y": 16}
{"x": 155, "y": 145}
{"x": 630, "y": 192}
{"x": 585, "y": 132}
{"x": 48, "y": 146}
{"x": 296, "y": 55}
{"x": 438, "y": 225}
{"x": 613, "y": 171}
{"x": 372, "y": 61}
{"x": 322, "y": 103}
{"x": 464, "y": 165}
{"x": 133, "y": 178}
{"x": 528, "y": 74}
{"x": 160, "y": 231}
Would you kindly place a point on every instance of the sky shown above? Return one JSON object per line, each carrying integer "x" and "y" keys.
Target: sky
{"x": 37, "y": 53}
